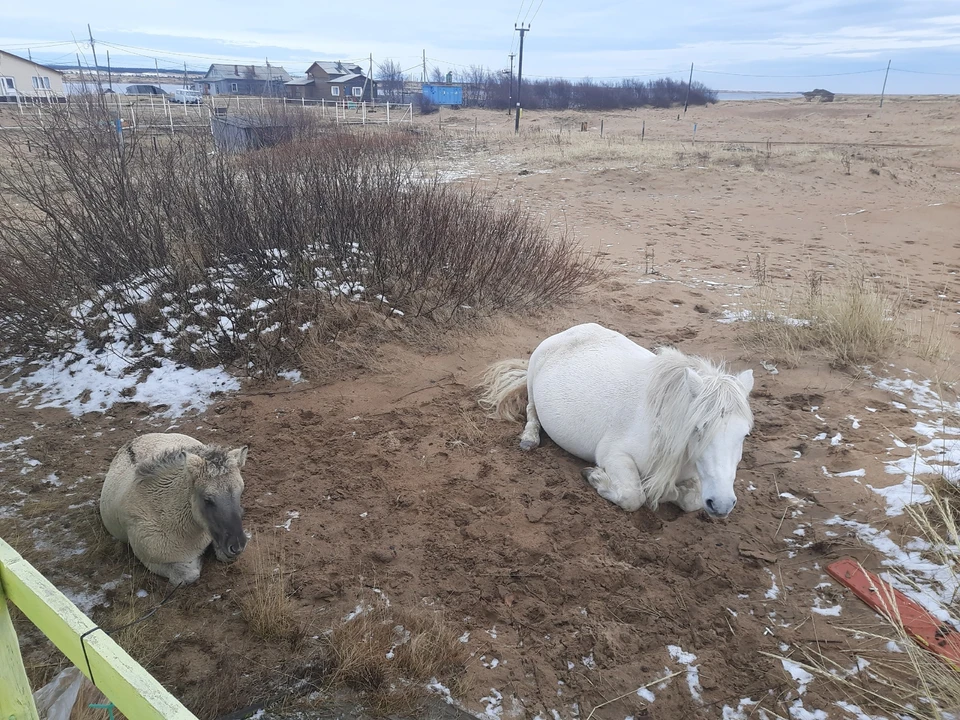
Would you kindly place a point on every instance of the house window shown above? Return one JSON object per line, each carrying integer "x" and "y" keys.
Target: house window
{"x": 41, "y": 83}
{"x": 335, "y": 91}
{"x": 234, "y": 88}
{"x": 8, "y": 82}
{"x": 358, "y": 92}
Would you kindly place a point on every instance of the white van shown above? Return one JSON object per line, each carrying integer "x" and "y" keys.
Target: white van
{"x": 187, "y": 97}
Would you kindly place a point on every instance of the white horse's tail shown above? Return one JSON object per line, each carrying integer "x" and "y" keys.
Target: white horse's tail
{"x": 504, "y": 386}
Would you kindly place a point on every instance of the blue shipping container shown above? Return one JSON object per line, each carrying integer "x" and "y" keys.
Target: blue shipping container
{"x": 443, "y": 94}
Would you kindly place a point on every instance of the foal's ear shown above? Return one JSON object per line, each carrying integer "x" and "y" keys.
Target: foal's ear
{"x": 694, "y": 382}
{"x": 746, "y": 379}
{"x": 239, "y": 456}
{"x": 193, "y": 463}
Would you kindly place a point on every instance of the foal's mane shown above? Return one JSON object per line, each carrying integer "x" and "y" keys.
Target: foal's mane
{"x": 677, "y": 413}
{"x": 171, "y": 461}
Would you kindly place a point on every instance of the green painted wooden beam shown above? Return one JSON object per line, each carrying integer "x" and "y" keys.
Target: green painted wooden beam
{"x": 16, "y": 700}
{"x": 118, "y": 676}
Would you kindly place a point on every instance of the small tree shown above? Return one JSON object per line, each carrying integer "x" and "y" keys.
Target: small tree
{"x": 391, "y": 78}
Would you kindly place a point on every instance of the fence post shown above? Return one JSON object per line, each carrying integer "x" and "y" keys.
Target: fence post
{"x": 388, "y": 112}
{"x": 16, "y": 700}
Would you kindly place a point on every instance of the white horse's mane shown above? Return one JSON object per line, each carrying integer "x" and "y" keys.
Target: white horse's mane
{"x": 684, "y": 423}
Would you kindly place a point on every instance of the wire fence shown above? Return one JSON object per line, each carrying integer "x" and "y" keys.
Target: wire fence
{"x": 159, "y": 113}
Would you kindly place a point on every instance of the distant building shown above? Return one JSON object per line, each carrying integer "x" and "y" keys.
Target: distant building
{"x": 22, "y": 79}
{"x": 443, "y": 94}
{"x": 260, "y": 80}
{"x": 332, "y": 81}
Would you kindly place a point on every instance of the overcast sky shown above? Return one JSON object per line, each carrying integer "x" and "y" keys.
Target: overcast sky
{"x": 846, "y": 42}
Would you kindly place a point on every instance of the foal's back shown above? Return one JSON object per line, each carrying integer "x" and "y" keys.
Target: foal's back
{"x": 119, "y": 496}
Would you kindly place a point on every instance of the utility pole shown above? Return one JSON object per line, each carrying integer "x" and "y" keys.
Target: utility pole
{"x": 516, "y": 124}
{"x": 96, "y": 65}
{"x": 882, "y": 91}
{"x": 423, "y": 78}
{"x": 156, "y": 64}
{"x": 109, "y": 72}
{"x": 689, "y": 83}
{"x": 510, "y": 104}
{"x": 185, "y": 74}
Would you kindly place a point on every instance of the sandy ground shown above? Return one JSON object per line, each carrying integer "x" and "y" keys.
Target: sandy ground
{"x": 394, "y": 479}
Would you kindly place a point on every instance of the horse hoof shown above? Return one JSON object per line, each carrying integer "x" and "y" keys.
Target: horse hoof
{"x": 528, "y": 445}
{"x": 586, "y": 474}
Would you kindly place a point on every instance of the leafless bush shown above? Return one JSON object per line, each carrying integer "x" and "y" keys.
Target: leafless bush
{"x": 161, "y": 247}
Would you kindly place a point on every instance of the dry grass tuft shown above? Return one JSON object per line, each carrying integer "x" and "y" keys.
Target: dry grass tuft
{"x": 267, "y": 607}
{"x": 856, "y": 319}
{"x": 389, "y": 655}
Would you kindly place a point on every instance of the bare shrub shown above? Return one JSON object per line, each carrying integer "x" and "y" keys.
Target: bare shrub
{"x": 167, "y": 249}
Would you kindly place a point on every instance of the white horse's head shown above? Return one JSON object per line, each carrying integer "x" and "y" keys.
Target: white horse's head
{"x": 719, "y": 434}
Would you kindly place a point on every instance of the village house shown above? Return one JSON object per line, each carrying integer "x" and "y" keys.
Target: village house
{"x": 25, "y": 80}
{"x": 332, "y": 81}
{"x": 259, "y": 80}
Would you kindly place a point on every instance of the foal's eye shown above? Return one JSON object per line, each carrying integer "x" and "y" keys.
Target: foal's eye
{"x": 208, "y": 501}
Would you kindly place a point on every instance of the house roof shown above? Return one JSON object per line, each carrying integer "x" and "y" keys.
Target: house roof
{"x": 266, "y": 73}
{"x": 346, "y": 78}
{"x": 31, "y": 62}
{"x": 301, "y": 81}
{"x": 336, "y": 67}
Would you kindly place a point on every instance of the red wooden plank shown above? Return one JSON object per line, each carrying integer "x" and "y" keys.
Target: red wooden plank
{"x": 938, "y": 637}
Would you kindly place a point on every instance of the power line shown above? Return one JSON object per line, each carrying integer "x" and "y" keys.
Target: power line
{"x": 855, "y": 72}
{"x": 924, "y": 72}
{"x": 538, "y": 10}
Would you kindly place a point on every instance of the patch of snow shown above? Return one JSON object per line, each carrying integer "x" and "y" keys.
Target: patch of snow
{"x": 836, "y": 439}
{"x": 899, "y": 496}
{"x": 293, "y": 376}
{"x": 799, "y": 675}
{"x": 89, "y": 382}
{"x": 494, "y": 709}
{"x": 589, "y": 662}
{"x": 852, "y": 473}
{"x": 740, "y": 712}
{"x": 774, "y": 592}
{"x": 693, "y": 671}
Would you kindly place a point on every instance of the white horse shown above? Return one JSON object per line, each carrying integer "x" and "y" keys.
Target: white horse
{"x": 662, "y": 427}
{"x": 171, "y": 497}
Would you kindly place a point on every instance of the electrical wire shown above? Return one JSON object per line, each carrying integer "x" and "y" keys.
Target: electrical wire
{"x": 855, "y": 72}
{"x": 538, "y": 10}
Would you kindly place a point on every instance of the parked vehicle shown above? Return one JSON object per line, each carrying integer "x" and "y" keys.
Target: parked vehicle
{"x": 187, "y": 97}
{"x": 144, "y": 90}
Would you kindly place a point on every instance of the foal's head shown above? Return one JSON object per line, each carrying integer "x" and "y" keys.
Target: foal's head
{"x": 214, "y": 476}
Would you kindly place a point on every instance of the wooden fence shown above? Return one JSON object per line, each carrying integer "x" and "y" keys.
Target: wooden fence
{"x": 118, "y": 676}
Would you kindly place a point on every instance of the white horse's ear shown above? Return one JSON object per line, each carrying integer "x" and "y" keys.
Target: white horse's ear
{"x": 239, "y": 456}
{"x": 694, "y": 382}
{"x": 746, "y": 379}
